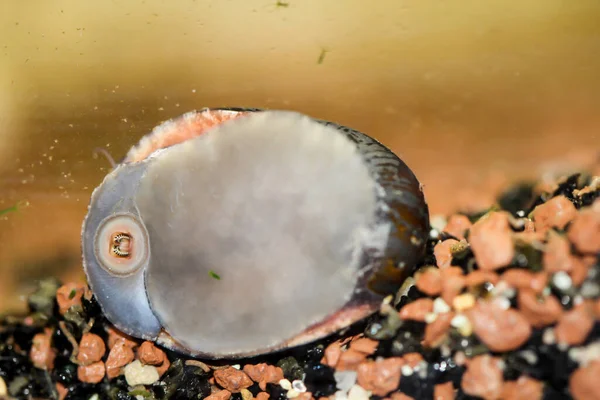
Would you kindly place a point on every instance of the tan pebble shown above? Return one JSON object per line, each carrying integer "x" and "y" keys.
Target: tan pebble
{"x": 522, "y": 279}
{"x": 452, "y": 286}
{"x": 221, "y": 395}
{"x": 444, "y": 391}
{"x": 115, "y": 335}
{"x": 499, "y": 329}
{"x": 443, "y": 254}
{"x": 364, "y": 345}
{"x": 92, "y": 373}
{"x": 417, "y": 310}
{"x": 596, "y": 308}
{"x": 150, "y": 354}
{"x": 435, "y": 332}
{"x": 575, "y": 325}
{"x": 429, "y": 281}
{"x": 458, "y": 225}
{"x": 483, "y": 377}
{"x": 555, "y": 213}
{"x": 584, "y": 232}
{"x": 246, "y": 394}
{"x": 60, "y": 389}
{"x": 69, "y": 295}
{"x": 491, "y": 241}
{"x": 583, "y": 383}
{"x": 232, "y": 379}
{"x": 263, "y": 374}
{"x": 42, "y": 354}
{"x": 463, "y": 302}
{"x": 332, "y": 354}
{"x": 524, "y": 388}
{"x": 539, "y": 312}
{"x": 380, "y": 377}
{"x": 350, "y": 359}
{"x": 479, "y": 277}
{"x": 119, "y": 356}
{"x": 305, "y": 396}
{"x": 263, "y": 396}
{"x": 91, "y": 349}
{"x": 412, "y": 359}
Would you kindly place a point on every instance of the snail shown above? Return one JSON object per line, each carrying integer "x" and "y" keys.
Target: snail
{"x": 232, "y": 232}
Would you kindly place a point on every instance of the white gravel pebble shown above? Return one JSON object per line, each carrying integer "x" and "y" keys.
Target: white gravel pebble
{"x": 357, "y": 392}
{"x": 138, "y": 374}
{"x": 285, "y": 384}
{"x": 344, "y": 380}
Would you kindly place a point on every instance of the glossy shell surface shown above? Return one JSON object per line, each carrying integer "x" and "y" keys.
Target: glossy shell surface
{"x": 228, "y": 233}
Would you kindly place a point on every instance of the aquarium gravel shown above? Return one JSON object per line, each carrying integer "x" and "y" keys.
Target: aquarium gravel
{"x": 505, "y": 305}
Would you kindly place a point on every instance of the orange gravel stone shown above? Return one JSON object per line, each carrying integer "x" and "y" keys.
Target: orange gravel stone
{"x": 452, "y": 286}
{"x": 575, "y": 325}
{"x": 42, "y": 354}
{"x": 417, "y": 310}
{"x": 584, "y": 232}
{"x": 263, "y": 374}
{"x": 524, "y": 388}
{"x": 119, "y": 356}
{"x": 220, "y": 395}
{"x": 522, "y": 279}
{"x": 149, "y": 354}
{"x": 69, "y": 295}
{"x": 380, "y": 377}
{"x": 92, "y": 373}
{"x": 539, "y": 312}
{"x": 483, "y": 377}
{"x": 583, "y": 383}
{"x": 435, "y": 332}
{"x": 412, "y": 359}
{"x": 479, "y": 276}
{"x": 232, "y": 379}
{"x": 304, "y": 396}
{"x": 401, "y": 396}
{"x": 114, "y": 335}
{"x": 350, "y": 359}
{"x": 491, "y": 241}
{"x": 364, "y": 345}
{"x": 557, "y": 256}
{"x": 443, "y": 253}
{"x": 429, "y": 281}
{"x": 458, "y": 225}
{"x": 332, "y": 354}
{"x": 499, "y": 329}
{"x": 444, "y": 391}
{"x": 555, "y": 213}
{"x": 263, "y": 396}
{"x": 91, "y": 349}
{"x": 61, "y": 390}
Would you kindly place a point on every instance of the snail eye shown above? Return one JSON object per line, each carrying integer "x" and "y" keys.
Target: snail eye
{"x": 121, "y": 244}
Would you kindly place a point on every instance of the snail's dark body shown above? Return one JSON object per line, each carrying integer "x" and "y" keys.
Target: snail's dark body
{"x": 309, "y": 227}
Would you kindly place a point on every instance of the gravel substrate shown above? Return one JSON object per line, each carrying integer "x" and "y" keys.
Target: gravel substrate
{"x": 506, "y": 305}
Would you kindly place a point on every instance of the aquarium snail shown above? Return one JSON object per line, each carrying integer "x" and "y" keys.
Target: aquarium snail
{"x": 227, "y": 233}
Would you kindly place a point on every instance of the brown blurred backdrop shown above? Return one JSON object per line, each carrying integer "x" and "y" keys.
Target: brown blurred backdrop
{"x": 470, "y": 93}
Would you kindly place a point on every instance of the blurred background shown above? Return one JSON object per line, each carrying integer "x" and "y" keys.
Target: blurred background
{"x": 471, "y": 94}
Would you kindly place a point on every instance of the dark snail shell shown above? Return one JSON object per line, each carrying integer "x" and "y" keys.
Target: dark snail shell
{"x": 228, "y": 233}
